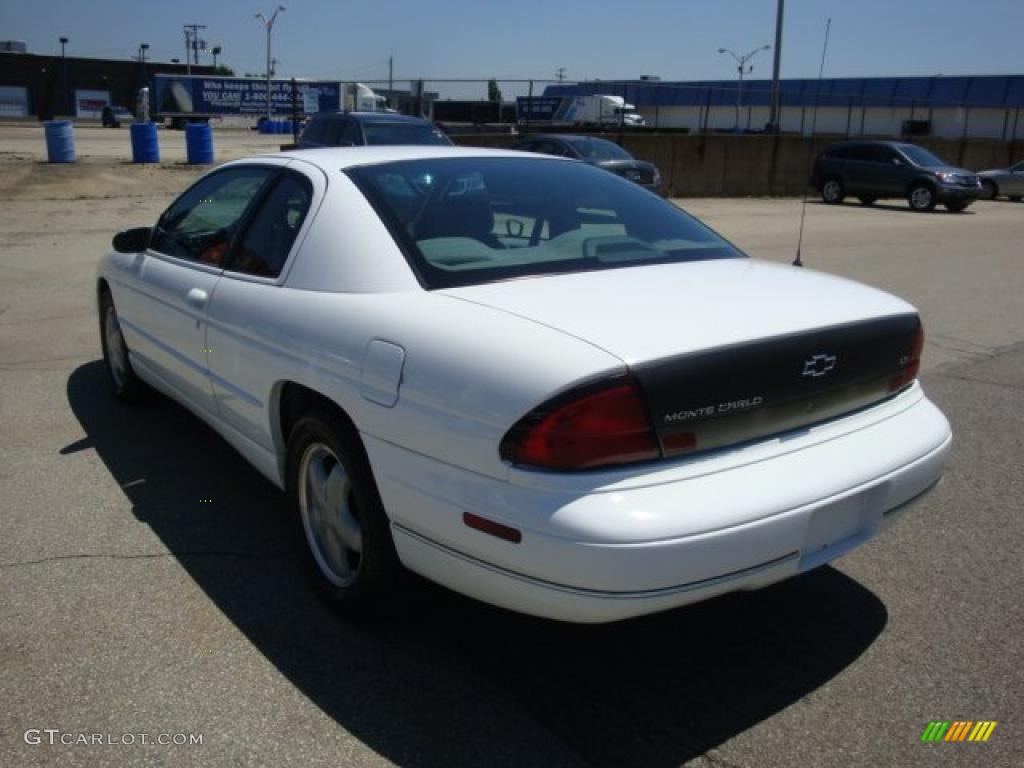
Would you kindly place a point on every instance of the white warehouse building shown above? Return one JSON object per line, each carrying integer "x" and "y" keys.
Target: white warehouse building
{"x": 983, "y": 106}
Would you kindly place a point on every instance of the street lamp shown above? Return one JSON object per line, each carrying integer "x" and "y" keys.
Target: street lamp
{"x": 742, "y": 68}
{"x": 216, "y": 52}
{"x": 64, "y": 68}
{"x": 269, "y": 24}
{"x": 142, "y": 48}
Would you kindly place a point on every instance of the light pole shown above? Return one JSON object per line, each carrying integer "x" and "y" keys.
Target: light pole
{"x": 773, "y": 116}
{"x": 142, "y": 60}
{"x": 216, "y": 52}
{"x": 64, "y": 70}
{"x": 742, "y": 68}
{"x": 269, "y": 24}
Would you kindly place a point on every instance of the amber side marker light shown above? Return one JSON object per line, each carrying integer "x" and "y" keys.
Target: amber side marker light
{"x": 484, "y": 525}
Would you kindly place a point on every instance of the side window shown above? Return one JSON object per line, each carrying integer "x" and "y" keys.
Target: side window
{"x": 314, "y": 131}
{"x": 548, "y": 148}
{"x": 332, "y": 131}
{"x": 273, "y": 227}
{"x": 882, "y": 154}
{"x": 351, "y": 136}
{"x": 860, "y": 152}
{"x": 840, "y": 153}
{"x": 200, "y": 224}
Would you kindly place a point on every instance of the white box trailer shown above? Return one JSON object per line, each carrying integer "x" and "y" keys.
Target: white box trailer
{"x": 592, "y": 110}
{"x": 601, "y": 109}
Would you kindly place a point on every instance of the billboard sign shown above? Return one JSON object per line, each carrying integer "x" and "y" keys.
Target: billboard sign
{"x": 543, "y": 109}
{"x": 241, "y": 96}
{"x": 91, "y": 103}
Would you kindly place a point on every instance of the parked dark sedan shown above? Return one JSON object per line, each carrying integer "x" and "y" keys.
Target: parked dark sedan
{"x": 871, "y": 170}
{"x": 600, "y": 152}
{"x": 356, "y": 129}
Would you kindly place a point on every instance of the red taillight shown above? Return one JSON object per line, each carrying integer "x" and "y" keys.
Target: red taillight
{"x": 592, "y": 427}
{"x": 912, "y": 365}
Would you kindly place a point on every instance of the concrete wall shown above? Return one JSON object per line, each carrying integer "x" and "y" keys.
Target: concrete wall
{"x": 947, "y": 122}
{"x": 759, "y": 165}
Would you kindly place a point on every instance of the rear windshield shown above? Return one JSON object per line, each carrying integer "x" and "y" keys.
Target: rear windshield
{"x": 404, "y": 133}
{"x": 597, "y": 150}
{"x": 463, "y": 221}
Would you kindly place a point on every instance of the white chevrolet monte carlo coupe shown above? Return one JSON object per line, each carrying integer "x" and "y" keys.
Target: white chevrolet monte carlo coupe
{"x": 521, "y": 377}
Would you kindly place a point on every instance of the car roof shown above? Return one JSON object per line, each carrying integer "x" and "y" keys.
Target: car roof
{"x": 873, "y": 142}
{"x": 376, "y": 117}
{"x": 331, "y": 159}
{"x": 563, "y": 137}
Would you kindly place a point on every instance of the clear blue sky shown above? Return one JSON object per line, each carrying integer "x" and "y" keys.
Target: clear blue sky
{"x": 352, "y": 39}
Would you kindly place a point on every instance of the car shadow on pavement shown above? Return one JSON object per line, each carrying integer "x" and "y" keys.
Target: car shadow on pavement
{"x": 447, "y": 681}
{"x": 894, "y": 206}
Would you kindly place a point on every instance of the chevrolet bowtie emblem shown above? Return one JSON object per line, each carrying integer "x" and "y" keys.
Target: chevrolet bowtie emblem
{"x": 819, "y": 364}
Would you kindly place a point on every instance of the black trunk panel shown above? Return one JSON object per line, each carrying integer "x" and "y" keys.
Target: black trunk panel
{"x": 730, "y": 395}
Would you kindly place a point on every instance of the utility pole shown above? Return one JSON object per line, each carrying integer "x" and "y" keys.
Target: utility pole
{"x": 561, "y": 74}
{"x": 743, "y": 69}
{"x": 269, "y": 24}
{"x": 391, "y": 77}
{"x": 64, "y": 67}
{"x": 216, "y": 52}
{"x": 192, "y": 45}
{"x": 776, "y": 95}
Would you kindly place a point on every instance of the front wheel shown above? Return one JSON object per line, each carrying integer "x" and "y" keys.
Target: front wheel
{"x": 1014, "y": 198}
{"x": 921, "y": 197}
{"x": 957, "y": 207}
{"x": 124, "y": 384}
{"x": 340, "y": 524}
{"x": 988, "y": 190}
{"x": 832, "y": 191}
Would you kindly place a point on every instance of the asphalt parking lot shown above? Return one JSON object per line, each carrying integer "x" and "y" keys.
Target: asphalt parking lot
{"x": 147, "y": 584}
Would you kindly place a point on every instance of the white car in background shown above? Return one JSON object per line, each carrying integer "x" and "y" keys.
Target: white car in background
{"x": 522, "y": 377}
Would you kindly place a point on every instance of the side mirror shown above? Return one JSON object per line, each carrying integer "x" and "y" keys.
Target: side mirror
{"x": 132, "y": 240}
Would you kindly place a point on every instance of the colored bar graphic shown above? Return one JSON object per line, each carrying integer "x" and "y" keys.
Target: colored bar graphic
{"x": 958, "y": 730}
{"x": 935, "y": 730}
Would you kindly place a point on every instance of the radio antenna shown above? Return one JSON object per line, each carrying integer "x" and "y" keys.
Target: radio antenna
{"x": 797, "y": 262}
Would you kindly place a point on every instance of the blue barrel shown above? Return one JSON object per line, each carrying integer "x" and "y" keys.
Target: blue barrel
{"x": 60, "y": 142}
{"x": 199, "y": 143}
{"x": 145, "y": 146}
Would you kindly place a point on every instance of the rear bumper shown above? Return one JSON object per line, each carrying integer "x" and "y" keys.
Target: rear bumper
{"x": 617, "y": 552}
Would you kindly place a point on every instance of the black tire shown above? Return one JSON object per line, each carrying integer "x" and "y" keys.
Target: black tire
{"x": 867, "y": 200}
{"x": 921, "y": 197}
{"x": 989, "y": 190}
{"x": 1014, "y": 198}
{"x": 360, "y": 581}
{"x": 124, "y": 384}
{"x": 832, "y": 191}
{"x": 957, "y": 207}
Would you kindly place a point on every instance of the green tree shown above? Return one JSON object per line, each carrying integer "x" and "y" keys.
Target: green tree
{"x": 493, "y": 91}
{"x": 226, "y": 71}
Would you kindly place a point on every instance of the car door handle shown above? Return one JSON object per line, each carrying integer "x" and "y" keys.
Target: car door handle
{"x": 197, "y": 298}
